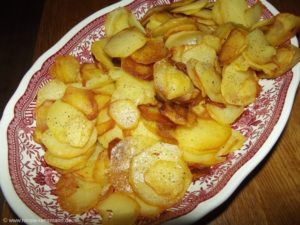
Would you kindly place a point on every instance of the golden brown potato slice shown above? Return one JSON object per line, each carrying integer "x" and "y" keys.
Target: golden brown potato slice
{"x": 41, "y": 114}
{"x": 98, "y": 82}
{"x": 153, "y": 51}
{"x": 83, "y": 100}
{"x": 239, "y": 87}
{"x": 102, "y": 100}
{"x": 115, "y": 21}
{"x": 98, "y": 52}
{"x": 125, "y": 113}
{"x": 169, "y": 82}
{"x": 100, "y": 173}
{"x": 143, "y": 129}
{"x": 204, "y": 134}
{"x": 125, "y": 42}
{"x": 118, "y": 209}
{"x": 191, "y": 8}
{"x": 201, "y": 158}
{"x": 105, "y": 126}
{"x": 65, "y": 68}
{"x": 146, "y": 210}
{"x": 156, "y": 19}
{"x": 141, "y": 71}
{"x": 159, "y": 176}
{"x": 89, "y": 71}
{"x": 82, "y": 195}
{"x": 63, "y": 150}
{"x": 233, "y": 46}
{"x": 226, "y": 114}
{"x": 284, "y": 27}
{"x": 201, "y": 52}
{"x": 111, "y": 134}
{"x": 107, "y": 89}
{"x": 53, "y": 90}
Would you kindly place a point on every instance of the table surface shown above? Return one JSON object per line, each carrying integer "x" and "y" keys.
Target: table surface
{"x": 269, "y": 195}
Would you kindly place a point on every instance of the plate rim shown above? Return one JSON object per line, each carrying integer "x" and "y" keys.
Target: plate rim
{"x": 30, "y": 217}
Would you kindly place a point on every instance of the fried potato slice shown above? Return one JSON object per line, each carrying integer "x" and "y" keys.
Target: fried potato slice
{"x": 154, "y": 173}
{"x": 102, "y": 101}
{"x": 89, "y": 71}
{"x": 100, "y": 173}
{"x": 202, "y": 158}
{"x": 226, "y": 114}
{"x": 111, "y": 134}
{"x": 183, "y": 38}
{"x": 191, "y": 8}
{"x": 169, "y": 82}
{"x": 146, "y": 210}
{"x": 156, "y": 19}
{"x": 125, "y": 113}
{"x": 98, "y": 52}
{"x": 98, "y": 82}
{"x": 204, "y": 134}
{"x": 82, "y": 197}
{"x": 233, "y": 46}
{"x": 239, "y": 87}
{"x": 201, "y": 52}
{"x": 258, "y": 49}
{"x": 52, "y": 91}
{"x": 116, "y": 21}
{"x": 141, "y": 71}
{"x": 63, "y": 150}
{"x": 68, "y": 124}
{"x": 118, "y": 209}
{"x": 284, "y": 27}
{"x": 68, "y": 164}
{"x": 153, "y": 51}
{"x": 41, "y": 114}
{"x": 137, "y": 90}
{"x": 65, "y": 68}
{"x": 125, "y": 42}
{"x": 83, "y": 100}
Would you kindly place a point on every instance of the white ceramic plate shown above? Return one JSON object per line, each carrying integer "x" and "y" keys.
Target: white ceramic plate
{"x": 28, "y": 183}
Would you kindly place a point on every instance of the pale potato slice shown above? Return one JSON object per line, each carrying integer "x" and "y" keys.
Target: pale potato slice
{"x": 259, "y": 50}
{"x": 100, "y": 173}
{"x": 82, "y": 196}
{"x": 98, "y": 52}
{"x": 110, "y": 135}
{"x": 201, "y": 52}
{"x": 239, "y": 87}
{"x": 233, "y": 46}
{"x": 204, "y": 134}
{"x": 125, "y": 42}
{"x": 253, "y": 14}
{"x": 169, "y": 82}
{"x": 118, "y": 209}
{"x": 65, "y": 68}
{"x": 107, "y": 89}
{"x": 190, "y": 8}
{"x": 63, "y": 118}
{"x": 156, "y": 19}
{"x": 125, "y": 113}
{"x": 116, "y": 21}
{"x": 183, "y": 38}
{"x": 226, "y": 114}
{"x": 143, "y": 130}
{"x": 103, "y": 116}
{"x": 210, "y": 81}
{"x": 201, "y": 158}
{"x": 53, "y": 90}
{"x": 154, "y": 173}
{"x": 137, "y": 90}
{"x": 83, "y": 100}
{"x": 68, "y": 164}
{"x": 98, "y": 82}
{"x": 105, "y": 126}
{"x": 63, "y": 150}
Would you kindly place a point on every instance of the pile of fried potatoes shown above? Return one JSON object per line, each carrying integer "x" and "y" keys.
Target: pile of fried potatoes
{"x": 131, "y": 131}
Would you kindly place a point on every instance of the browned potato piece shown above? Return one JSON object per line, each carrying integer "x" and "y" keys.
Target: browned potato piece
{"x": 80, "y": 196}
{"x": 102, "y": 101}
{"x": 83, "y": 100}
{"x": 141, "y": 71}
{"x": 65, "y": 68}
{"x": 125, "y": 43}
{"x": 89, "y": 71}
{"x": 233, "y": 46}
{"x": 284, "y": 27}
{"x": 153, "y": 51}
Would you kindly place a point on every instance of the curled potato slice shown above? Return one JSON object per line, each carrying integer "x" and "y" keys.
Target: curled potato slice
{"x": 226, "y": 114}
{"x": 159, "y": 176}
{"x": 125, "y": 42}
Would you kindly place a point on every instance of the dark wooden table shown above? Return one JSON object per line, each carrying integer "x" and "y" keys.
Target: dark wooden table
{"x": 270, "y": 195}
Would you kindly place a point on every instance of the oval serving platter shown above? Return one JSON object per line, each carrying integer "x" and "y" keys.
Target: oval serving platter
{"x": 28, "y": 183}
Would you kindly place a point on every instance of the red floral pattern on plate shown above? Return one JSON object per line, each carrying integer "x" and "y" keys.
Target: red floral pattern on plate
{"x": 34, "y": 181}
